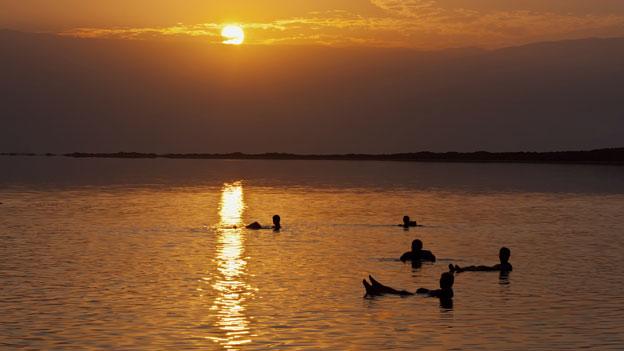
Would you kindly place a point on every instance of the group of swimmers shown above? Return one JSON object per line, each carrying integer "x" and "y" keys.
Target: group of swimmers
{"x": 416, "y": 256}
{"x": 445, "y": 293}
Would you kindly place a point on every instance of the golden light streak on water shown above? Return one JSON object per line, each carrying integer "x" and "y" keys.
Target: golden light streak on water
{"x": 230, "y": 284}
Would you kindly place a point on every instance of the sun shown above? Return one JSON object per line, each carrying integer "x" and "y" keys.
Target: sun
{"x": 233, "y": 34}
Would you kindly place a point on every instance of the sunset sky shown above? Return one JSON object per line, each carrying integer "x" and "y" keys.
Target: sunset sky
{"x": 311, "y": 76}
{"x": 408, "y": 23}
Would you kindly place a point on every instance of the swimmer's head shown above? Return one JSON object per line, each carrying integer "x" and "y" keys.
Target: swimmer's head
{"x": 417, "y": 245}
{"x": 504, "y": 254}
{"x": 276, "y": 220}
{"x": 406, "y": 220}
{"x": 446, "y": 280}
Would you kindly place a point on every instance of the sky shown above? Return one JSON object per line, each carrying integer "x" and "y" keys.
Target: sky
{"x": 342, "y": 76}
{"x": 425, "y": 24}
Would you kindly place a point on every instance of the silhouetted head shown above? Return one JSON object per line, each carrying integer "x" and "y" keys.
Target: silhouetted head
{"x": 417, "y": 245}
{"x": 504, "y": 254}
{"x": 276, "y": 221}
{"x": 446, "y": 280}
{"x": 406, "y": 221}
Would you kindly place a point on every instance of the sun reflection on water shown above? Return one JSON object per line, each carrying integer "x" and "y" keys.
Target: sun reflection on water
{"x": 231, "y": 288}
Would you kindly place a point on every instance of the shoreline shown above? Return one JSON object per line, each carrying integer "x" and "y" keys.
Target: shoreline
{"x": 614, "y": 157}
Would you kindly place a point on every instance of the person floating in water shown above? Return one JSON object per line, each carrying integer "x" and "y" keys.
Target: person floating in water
{"x": 504, "y": 266}
{"x": 417, "y": 254}
{"x": 375, "y": 288}
{"x": 276, "y": 223}
{"x": 407, "y": 222}
{"x": 257, "y": 226}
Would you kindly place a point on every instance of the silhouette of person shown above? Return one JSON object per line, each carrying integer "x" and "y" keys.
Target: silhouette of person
{"x": 257, "y": 226}
{"x": 504, "y": 266}
{"x": 408, "y": 223}
{"x": 254, "y": 226}
{"x": 417, "y": 254}
{"x": 276, "y": 223}
{"x": 375, "y": 288}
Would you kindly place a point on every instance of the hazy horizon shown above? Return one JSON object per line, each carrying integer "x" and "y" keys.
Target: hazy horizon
{"x": 175, "y": 96}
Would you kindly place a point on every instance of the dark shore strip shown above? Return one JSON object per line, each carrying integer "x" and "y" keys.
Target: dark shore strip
{"x": 614, "y": 156}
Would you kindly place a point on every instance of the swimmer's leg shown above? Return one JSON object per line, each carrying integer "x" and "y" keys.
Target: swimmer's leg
{"x": 382, "y": 289}
{"x": 379, "y": 288}
{"x": 374, "y": 282}
{"x": 370, "y": 291}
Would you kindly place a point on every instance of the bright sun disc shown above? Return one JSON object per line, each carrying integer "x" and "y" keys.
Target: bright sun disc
{"x": 233, "y": 35}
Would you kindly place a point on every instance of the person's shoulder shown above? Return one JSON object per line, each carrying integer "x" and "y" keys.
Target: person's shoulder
{"x": 446, "y": 294}
{"x": 503, "y": 267}
{"x": 406, "y": 256}
{"x": 426, "y": 254}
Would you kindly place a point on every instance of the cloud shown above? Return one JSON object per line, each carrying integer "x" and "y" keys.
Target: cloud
{"x": 408, "y": 23}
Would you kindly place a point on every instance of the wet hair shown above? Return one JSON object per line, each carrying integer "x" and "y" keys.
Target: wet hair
{"x": 504, "y": 254}
{"x": 446, "y": 280}
{"x": 406, "y": 220}
{"x": 417, "y": 245}
{"x": 276, "y": 219}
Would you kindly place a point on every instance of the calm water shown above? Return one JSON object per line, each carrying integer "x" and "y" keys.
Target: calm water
{"x": 140, "y": 255}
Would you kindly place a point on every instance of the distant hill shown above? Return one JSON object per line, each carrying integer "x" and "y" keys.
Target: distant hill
{"x": 613, "y": 156}
{"x": 603, "y": 156}
{"x": 62, "y": 94}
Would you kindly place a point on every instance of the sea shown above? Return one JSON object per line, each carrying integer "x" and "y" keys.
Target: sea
{"x": 152, "y": 254}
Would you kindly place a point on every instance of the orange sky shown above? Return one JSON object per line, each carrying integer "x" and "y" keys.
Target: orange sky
{"x": 410, "y": 23}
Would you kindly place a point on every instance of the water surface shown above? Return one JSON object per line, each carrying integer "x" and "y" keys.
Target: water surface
{"x": 149, "y": 254}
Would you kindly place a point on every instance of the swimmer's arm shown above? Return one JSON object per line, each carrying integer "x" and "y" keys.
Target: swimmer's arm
{"x": 478, "y": 269}
{"x": 405, "y": 257}
{"x": 429, "y": 293}
{"x": 430, "y": 256}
